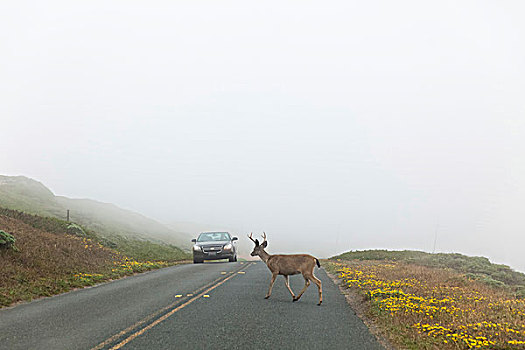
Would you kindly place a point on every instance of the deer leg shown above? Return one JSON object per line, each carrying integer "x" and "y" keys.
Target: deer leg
{"x": 306, "y": 284}
{"x": 319, "y": 286}
{"x": 274, "y": 276}
{"x": 287, "y": 282}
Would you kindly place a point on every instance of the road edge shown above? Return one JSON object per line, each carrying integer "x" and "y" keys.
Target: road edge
{"x": 352, "y": 299}
{"x": 40, "y": 298}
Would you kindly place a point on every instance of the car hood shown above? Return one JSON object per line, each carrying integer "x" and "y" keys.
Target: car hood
{"x": 212, "y": 243}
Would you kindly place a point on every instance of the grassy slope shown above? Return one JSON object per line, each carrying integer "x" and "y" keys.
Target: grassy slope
{"x": 50, "y": 260}
{"x": 109, "y": 221}
{"x": 418, "y": 300}
{"x": 474, "y": 267}
{"x": 21, "y": 193}
{"x": 133, "y": 248}
{"x": 46, "y": 262}
{"x": 418, "y": 307}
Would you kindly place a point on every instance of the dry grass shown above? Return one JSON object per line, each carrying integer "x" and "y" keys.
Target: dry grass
{"x": 430, "y": 308}
{"x": 48, "y": 263}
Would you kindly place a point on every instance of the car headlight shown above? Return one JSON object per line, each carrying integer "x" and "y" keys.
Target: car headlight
{"x": 228, "y": 246}
{"x": 197, "y": 248}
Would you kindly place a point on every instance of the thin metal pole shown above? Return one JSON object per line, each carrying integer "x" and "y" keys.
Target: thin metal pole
{"x": 67, "y": 215}
{"x": 435, "y": 238}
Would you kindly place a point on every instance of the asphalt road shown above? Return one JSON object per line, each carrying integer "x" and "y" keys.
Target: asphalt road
{"x": 220, "y": 306}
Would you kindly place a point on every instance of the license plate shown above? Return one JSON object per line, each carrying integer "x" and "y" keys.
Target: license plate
{"x": 213, "y": 253}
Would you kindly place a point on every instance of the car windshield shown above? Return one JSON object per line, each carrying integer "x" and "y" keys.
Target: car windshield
{"x": 213, "y": 236}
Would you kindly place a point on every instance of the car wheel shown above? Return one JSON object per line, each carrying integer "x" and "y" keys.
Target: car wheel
{"x": 232, "y": 259}
{"x": 195, "y": 261}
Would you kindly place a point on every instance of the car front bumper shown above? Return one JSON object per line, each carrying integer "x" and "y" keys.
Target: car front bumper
{"x": 199, "y": 255}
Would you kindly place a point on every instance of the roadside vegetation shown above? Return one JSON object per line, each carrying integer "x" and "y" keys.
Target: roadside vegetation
{"x": 421, "y": 302}
{"x": 7, "y": 241}
{"x": 54, "y": 256}
{"x": 474, "y": 267}
{"x": 138, "y": 249}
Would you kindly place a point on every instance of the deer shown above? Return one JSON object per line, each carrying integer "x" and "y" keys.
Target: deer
{"x": 286, "y": 265}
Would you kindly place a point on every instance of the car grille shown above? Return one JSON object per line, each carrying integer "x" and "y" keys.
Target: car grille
{"x": 212, "y": 249}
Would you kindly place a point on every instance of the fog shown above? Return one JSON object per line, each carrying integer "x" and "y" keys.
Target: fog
{"x": 330, "y": 125}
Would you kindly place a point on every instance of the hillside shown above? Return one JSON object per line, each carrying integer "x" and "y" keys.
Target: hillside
{"x": 52, "y": 256}
{"x": 418, "y": 300}
{"x": 134, "y": 248}
{"x": 107, "y": 220}
{"x": 427, "y": 308}
{"x": 22, "y": 193}
{"x": 479, "y": 268}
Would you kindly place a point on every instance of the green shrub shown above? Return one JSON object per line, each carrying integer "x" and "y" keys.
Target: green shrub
{"x": 520, "y": 292}
{"x": 492, "y": 282}
{"x": 74, "y": 229}
{"x": 7, "y": 240}
{"x": 108, "y": 243}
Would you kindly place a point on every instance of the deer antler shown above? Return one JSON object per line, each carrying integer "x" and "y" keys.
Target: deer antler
{"x": 264, "y": 236}
{"x": 250, "y": 237}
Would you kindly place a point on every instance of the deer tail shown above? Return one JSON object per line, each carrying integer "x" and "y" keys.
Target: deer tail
{"x": 317, "y": 261}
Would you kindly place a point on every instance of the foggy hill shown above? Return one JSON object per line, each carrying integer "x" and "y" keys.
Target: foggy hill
{"x": 107, "y": 220}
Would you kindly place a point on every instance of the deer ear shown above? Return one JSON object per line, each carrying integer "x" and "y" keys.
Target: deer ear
{"x": 265, "y": 243}
{"x": 256, "y": 242}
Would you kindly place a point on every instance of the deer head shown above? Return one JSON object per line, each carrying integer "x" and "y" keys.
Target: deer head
{"x": 259, "y": 248}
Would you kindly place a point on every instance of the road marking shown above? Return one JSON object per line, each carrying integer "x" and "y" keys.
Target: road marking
{"x": 205, "y": 296}
{"x": 241, "y": 272}
{"x": 155, "y": 314}
{"x": 164, "y": 317}
{"x": 178, "y": 296}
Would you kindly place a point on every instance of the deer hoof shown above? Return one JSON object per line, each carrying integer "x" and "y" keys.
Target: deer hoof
{"x": 295, "y": 299}
{"x": 266, "y": 297}
{"x": 319, "y": 303}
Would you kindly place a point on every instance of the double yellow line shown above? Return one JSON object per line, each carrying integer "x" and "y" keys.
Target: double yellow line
{"x": 174, "y": 308}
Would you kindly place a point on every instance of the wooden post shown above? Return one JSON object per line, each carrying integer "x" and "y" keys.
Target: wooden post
{"x": 67, "y": 215}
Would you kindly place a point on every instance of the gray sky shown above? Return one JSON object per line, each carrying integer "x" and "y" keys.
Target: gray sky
{"x": 330, "y": 125}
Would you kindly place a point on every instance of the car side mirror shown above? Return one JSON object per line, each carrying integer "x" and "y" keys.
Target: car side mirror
{"x": 194, "y": 240}
{"x": 234, "y": 238}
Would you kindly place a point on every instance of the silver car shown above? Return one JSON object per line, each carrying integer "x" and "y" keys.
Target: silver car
{"x": 214, "y": 246}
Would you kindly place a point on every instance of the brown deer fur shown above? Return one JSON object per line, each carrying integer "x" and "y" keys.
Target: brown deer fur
{"x": 286, "y": 265}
